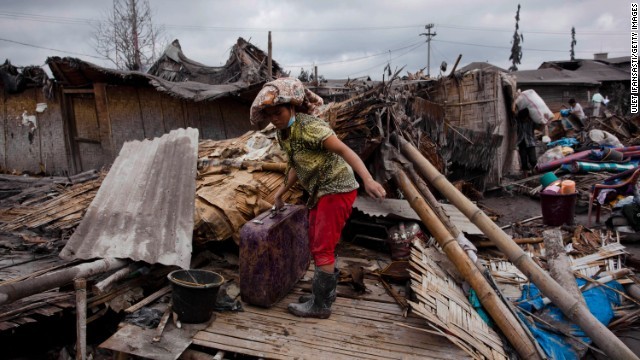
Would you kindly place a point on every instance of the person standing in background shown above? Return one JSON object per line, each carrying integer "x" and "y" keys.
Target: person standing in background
{"x": 596, "y": 101}
{"x": 526, "y": 141}
{"x": 576, "y": 111}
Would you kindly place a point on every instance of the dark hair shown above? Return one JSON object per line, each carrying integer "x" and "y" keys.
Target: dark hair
{"x": 572, "y": 101}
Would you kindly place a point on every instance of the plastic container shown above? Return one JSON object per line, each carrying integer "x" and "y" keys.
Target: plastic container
{"x": 567, "y": 187}
{"x": 558, "y": 209}
{"x": 194, "y": 294}
{"x": 547, "y": 179}
{"x": 609, "y": 154}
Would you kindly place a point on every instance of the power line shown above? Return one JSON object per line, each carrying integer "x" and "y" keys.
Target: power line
{"x": 87, "y": 21}
{"x": 388, "y": 62}
{"x": 476, "y": 28}
{"x": 354, "y": 59}
{"x": 528, "y": 49}
{"x": 45, "y": 48}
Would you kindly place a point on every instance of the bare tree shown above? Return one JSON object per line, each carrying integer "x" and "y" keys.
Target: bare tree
{"x": 127, "y": 35}
{"x": 516, "y": 48}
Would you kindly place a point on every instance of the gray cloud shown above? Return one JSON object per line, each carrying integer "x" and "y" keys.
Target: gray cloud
{"x": 302, "y": 31}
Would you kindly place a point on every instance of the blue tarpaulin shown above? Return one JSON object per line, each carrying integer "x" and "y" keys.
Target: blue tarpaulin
{"x": 600, "y": 301}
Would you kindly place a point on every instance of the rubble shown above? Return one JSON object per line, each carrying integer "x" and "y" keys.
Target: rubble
{"x": 433, "y": 141}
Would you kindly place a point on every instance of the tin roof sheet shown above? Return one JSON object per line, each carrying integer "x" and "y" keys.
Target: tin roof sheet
{"x": 144, "y": 208}
{"x": 401, "y": 209}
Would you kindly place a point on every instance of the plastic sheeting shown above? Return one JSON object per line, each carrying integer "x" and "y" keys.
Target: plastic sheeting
{"x": 600, "y": 301}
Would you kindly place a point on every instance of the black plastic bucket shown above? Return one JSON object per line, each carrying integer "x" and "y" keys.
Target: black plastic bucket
{"x": 558, "y": 209}
{"x": 194, "y": 294}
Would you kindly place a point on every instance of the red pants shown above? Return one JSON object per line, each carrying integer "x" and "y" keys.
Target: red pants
{"x": 326, "y": 221}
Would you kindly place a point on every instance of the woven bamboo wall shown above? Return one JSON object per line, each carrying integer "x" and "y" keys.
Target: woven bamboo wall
{"x": 475, "y": 105}
{"x": 21, "y": 149}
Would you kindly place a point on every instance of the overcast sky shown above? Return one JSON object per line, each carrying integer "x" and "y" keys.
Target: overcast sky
{"x": 347, "y": 38}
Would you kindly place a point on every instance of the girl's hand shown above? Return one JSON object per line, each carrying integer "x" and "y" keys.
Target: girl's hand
{"x": 374, "y": 189}
{"x": 278, "y": 203}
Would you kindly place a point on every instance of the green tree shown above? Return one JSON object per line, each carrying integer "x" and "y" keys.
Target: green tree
{"x": 516, "y": 47}
{"x": 573, "y": 43}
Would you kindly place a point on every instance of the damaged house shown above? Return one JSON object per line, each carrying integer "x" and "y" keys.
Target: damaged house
{"x": 125, "y": 236}
{"x": 81, "y": 121}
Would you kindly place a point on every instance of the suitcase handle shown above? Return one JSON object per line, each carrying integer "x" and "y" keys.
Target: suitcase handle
{"x": 275, "y": 212}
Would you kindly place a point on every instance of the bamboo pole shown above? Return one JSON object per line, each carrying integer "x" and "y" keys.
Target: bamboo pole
{"x": 105, "y": 285}
{"x": 559, "y": 263}
{"x": 81, "y": 318}
{"x": 14, "y": 291}
{"x": 572, "y": 308}
{"x": 489, "y": 299}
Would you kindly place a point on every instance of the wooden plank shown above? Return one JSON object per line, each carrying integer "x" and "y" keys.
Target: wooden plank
{"x": 131, "y": 339}
{"x": 3, "y": 130}
{"x": 6, "y": 325}
{"x": 104, "y": 121}
{"x": 357, "y": 329}
{"x": 52, "y": 137}
{"x": 23, "y": 143}
{"x": 360, "y": 338}
{"x": 77, "y": 91}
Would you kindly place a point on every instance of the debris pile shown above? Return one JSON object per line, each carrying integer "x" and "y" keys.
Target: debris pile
{"x": 429, "y": 142}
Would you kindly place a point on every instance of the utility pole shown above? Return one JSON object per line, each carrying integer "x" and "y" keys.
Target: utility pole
{"x": 269, "y": 63}
{"x": 429, "y": 35}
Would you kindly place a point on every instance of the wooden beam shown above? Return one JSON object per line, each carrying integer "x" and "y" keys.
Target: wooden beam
{"x": 81, "y": 318}
{"x": 149, "y": 299}
{"x": 77, "y": 91}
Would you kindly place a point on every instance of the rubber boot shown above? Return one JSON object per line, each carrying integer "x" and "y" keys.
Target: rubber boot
{"x": 320, "y": 305}
{"x": 307, "y": 297}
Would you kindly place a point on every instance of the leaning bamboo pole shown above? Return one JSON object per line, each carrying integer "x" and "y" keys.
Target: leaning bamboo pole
{"x": 571, "y": 307}
{"x": 13, "y": 291}
{"x": 499, "y": 312}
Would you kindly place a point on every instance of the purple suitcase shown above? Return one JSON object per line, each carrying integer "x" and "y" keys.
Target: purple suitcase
{"x": 274, "y": 254}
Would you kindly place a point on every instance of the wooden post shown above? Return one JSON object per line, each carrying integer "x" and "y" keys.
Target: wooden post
{"x": 572, "y": 308}
{"x": 81, "y": 318}
{"x": 315, "y": 75}
{"x": 269, "y": 64}
{"x": 499, "y": 312}
{"x": 453, "y": 70}
{"x": 14, "y": 291}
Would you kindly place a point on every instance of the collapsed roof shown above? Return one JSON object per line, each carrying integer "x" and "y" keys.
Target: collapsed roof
{"x": 246, "y": 64}
{"x": 175, "y": 74}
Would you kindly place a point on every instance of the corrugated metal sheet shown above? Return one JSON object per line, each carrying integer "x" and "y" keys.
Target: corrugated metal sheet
{"x": 144, "y": 208}
{"x": 402, "y": 209}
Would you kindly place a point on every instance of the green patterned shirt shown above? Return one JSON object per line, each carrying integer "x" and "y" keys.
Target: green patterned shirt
{"x": 319, "y": 171}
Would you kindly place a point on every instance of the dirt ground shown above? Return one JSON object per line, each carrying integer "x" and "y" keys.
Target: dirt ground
{"x": 511, "y": 208}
